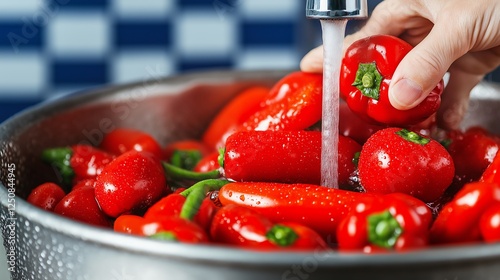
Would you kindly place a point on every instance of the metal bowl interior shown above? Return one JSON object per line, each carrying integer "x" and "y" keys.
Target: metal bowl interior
{"x": 48, "y": 246}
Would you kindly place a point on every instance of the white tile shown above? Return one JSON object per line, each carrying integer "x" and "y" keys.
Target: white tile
{"x": 79, "y": 34}
{"x": 201, "y": 33}
{"x": 272, "y": 9}
{"x": 268, "y": 59}
{"x": 133, "y": 66}
{"x": 15, "y": 8}
{"x": 143, "y": 8}
{"x": 23, "y": 73}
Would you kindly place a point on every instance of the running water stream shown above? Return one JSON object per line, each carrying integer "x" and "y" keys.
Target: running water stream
{"x": 333, "y": 36}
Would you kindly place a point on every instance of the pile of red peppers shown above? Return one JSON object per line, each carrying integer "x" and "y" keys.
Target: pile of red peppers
{"x": 253, "y": 179}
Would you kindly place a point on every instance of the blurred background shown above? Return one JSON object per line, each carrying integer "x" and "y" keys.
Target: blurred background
{"x": 49, "y": 48}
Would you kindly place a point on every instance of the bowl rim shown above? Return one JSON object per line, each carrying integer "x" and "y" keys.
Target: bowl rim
{"x": 214, "y": 253}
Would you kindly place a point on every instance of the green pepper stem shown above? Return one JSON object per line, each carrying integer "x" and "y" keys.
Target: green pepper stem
{"x": 180, "y": 173}
{"x": 383, "y": 229}
{"x": 368, "y": 80}
{"x": 195, "y": 195}
{"x": 282, "y": 235}
{"x": 59, "y": 158}
{"x": 412, "y": 136}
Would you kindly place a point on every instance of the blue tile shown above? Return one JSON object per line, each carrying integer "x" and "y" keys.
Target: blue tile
{"x": 201, "y": 3}
{"x": 19, "y": 35}
{"x": 80, "y": 3}
{"x": 79, "y": 72}
{"x": 142, "y": 34}
{"x": 268, "y": 33}
{"x": 10, "y": 107}
{"x": 187, "y": 65}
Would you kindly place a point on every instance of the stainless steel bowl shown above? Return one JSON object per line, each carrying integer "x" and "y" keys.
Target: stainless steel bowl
{"x": 47, "y": 246}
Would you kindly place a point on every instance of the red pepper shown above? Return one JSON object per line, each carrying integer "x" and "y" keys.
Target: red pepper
{"x": 366, "y": 72}
{"x": 353, "y": 126}
{"x": 392, "y": 222}
{"x": 458, "y": 221}
{"x": 231, "y": 117}
{"x": 131, "y": 182}
{"x": 185, "y": 153}
{"x": 293, "y": 103}
{"x": 283, "y": 156}
{"x": 80, "y": 204}
{"x": 489, "y": 223}
{"x": 167, "y": 228}
{"x": 122, "y": 140}
{"x": 472, "y": 152}
{"x": 78, "y": 162}
{"x": 244, "y": 227}
{"x": 85, "y": 183}
{"x": 492, "y": 173}
{"x": 46, "y": 196}
{"x": 316, "y": 207}
{"x": 399, "y": 160}
{"x": 172, "y": 204}
{"x": 208, "y": 163}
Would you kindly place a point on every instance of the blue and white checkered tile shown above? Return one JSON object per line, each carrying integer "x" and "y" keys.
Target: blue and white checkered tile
{"x": 49, "y": 48}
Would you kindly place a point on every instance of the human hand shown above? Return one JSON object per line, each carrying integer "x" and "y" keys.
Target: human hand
{"x": 456, "y": 36}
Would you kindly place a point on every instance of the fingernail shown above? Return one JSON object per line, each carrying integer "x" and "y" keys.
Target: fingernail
{"x": 404, "y": 93}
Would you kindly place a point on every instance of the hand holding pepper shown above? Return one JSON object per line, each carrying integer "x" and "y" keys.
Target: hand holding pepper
{"x": 450, "y": 35}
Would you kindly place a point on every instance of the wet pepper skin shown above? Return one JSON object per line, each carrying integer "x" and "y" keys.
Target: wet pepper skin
{"x": 284, "y": 156}
{"x": 316, "y": 207}
{"x": 389, "y": 222}
{"x": 366, "y": 72}
{"x": 399, "y": 160}
{"x": 244, "y": 227}
{"x": 293, "y": 103}
{"x": 132, "y": 182}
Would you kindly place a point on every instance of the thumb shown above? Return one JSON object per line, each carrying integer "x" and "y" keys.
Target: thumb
{"x": 423, "y": 67}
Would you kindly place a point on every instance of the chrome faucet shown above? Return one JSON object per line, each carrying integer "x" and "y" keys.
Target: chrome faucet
{"x": 337, "y": 9}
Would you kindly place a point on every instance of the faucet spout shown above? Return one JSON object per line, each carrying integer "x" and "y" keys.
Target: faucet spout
{"x": 337, "y": 9}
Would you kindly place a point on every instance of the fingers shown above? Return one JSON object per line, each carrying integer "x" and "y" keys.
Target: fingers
{"x": 388, "y": 17}
{"x": 424, "y": 66}
{"x": 313, "y": 61}
{"x": 455, "y": 99}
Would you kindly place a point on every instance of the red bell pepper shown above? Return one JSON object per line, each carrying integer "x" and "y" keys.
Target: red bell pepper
{"x": 293, "y": 103}
{"x": 489, "y": 223}
{"x": 122, "y": 140}
{"x": 46, "y": 196}
{"x": 244, "y": 227}
{"x": 283, "y": 156}
{"x": 399, "y": 160}
{"x": 366, "y": 72}
{"x": 132, "y": 182}
{"x": 170, "y": 228}
{"x": 233, "y": 115}
{"x": 459, "y": 219}
{"x": 80, "y": 205}
{"x": 391, "y": 222}
{"x": 78, "y": 162}
{"x": 316, "y": 207}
